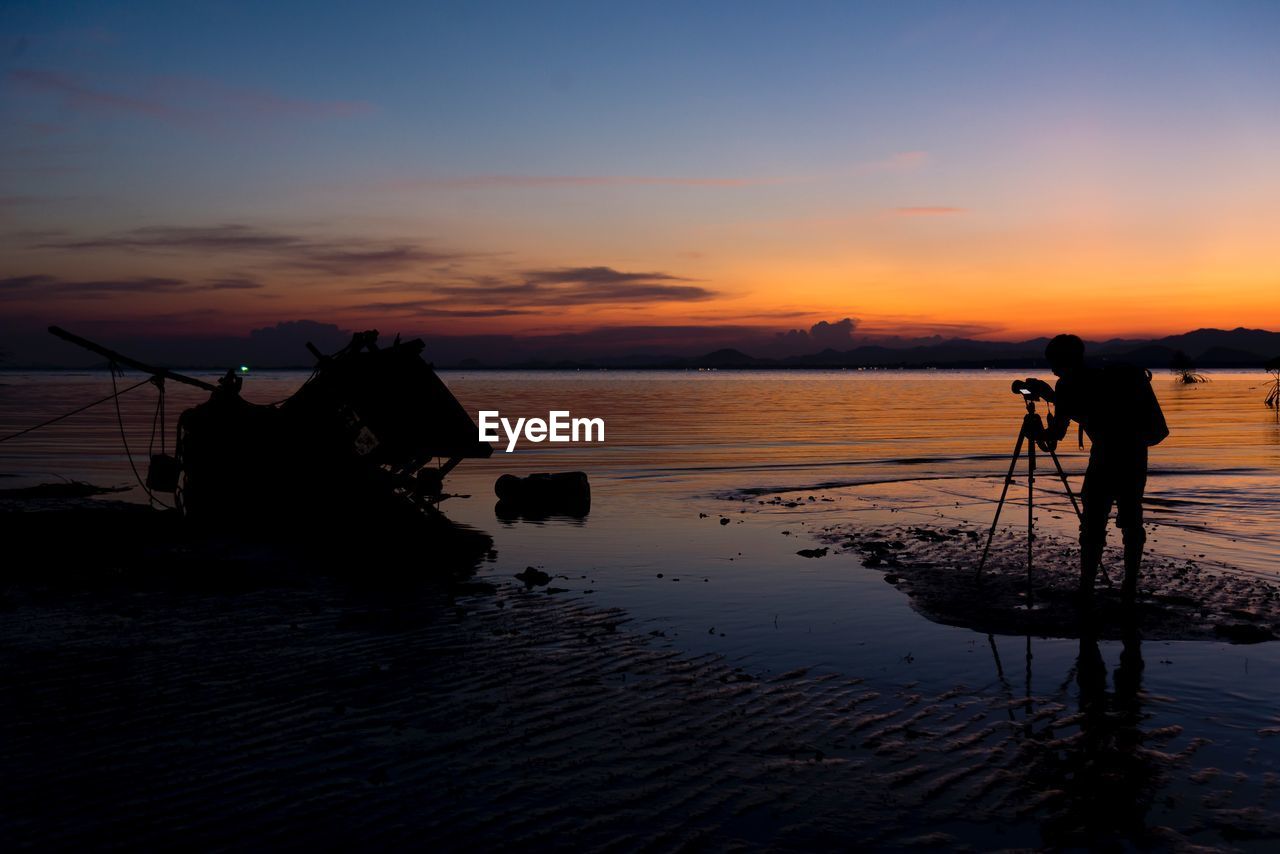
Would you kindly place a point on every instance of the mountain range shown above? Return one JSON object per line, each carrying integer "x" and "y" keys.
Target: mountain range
{"x": 284, "y": 345}
{"x": 1207, "y": 348}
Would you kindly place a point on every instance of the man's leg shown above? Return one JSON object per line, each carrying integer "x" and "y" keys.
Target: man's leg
{"x": 1095, "y": 495}
{"x": 1134, "y": 538}
{"x": 1092, "y": 540}
{"x": 1129, "y": 520}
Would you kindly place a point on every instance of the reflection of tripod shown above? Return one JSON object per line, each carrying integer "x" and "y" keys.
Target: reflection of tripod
{"x": 1030, "y": 422}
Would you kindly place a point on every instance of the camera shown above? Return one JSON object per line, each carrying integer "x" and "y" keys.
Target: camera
{"x": 1027, "y": 388}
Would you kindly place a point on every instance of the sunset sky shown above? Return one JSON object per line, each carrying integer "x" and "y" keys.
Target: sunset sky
{"x": 532, "y": 169}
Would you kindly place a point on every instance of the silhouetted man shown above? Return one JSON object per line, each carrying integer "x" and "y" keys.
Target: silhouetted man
{"x": 1116, "y": 407}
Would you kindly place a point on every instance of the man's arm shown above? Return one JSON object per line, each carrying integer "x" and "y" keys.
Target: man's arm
{"x": 1057, "y": 428}
{"x": 1059, "y": 420}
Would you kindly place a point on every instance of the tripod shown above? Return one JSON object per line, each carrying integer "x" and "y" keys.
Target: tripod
{"x": 1024, "y": 434}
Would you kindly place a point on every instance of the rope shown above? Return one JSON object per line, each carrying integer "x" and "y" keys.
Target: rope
{"x": 124, "y": 440}
{"x": 157, "y": 420}
{"x": 157, "y": 423}
{"x": 75, "y": 411}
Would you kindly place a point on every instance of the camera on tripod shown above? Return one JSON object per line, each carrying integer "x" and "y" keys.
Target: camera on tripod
{"x": 1031, "y": 435}
{"x": 1031, "y": 389}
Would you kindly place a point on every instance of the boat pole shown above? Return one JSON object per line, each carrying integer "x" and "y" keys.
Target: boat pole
{"x": 125, "y": 360}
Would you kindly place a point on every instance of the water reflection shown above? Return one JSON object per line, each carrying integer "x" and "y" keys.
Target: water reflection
{"x": 1086, "y": 770}
{"x": 1108, "y": 779}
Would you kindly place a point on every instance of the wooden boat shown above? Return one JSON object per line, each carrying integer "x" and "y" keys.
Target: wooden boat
{"x": 372, "y": 432}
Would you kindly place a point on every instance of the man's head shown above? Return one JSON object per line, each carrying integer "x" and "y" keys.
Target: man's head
{"x": 1065, "y": 354}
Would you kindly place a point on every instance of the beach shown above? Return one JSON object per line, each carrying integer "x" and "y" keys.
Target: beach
{"x": 620, "y": 427}
{"x": 278, "y": 710}
{"x": 685, "y": 675}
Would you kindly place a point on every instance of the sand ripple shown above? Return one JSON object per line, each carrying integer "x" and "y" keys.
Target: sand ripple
{"x": 319, "y": 714}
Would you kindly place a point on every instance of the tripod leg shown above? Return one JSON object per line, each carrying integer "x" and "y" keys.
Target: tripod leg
{"x": 1031, "y": 521}
{"x": 1067, "y": 486}
{"x": 1008, "y": 479}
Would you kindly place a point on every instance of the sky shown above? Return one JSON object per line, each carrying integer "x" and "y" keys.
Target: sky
{"x": 639, "y": 176}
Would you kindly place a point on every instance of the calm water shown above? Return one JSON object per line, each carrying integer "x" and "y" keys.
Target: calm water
{"x": 934, "y": 445}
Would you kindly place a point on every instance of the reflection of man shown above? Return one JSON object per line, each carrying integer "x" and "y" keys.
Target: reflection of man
{"x": 1117, "y": 409}
{"x": 1110, "y": 784}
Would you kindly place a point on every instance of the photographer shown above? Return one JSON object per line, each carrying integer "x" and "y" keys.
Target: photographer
{"x": 1116, "y": 407}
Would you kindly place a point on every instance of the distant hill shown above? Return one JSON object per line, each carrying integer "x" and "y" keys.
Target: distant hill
{"x": 1208, "y": 348}
{"x": 726, "y": 358}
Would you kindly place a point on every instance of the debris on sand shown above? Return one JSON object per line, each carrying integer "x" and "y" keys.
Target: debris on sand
{"x": 822, "y": 552}
{"x": 878, "y": 552}
{"x": 533, "y": 577}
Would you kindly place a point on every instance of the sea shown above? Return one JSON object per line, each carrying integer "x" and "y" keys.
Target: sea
{"x": 684, "y": 536}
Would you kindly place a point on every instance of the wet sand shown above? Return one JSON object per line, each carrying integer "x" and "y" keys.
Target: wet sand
{"x": 237, "y": 698}
{"x": 937, "y": 567}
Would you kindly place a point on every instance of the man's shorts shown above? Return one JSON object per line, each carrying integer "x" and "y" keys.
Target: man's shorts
{"x": 1116, "y": 477}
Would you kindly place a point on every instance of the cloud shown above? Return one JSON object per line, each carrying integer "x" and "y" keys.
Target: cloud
{"x": 41, "y": 286}
{"x": 568, "y": 286}
{"x": 336, "y": 256}
{"x": 534, "y": 292}
{"x": 594, "y": 276}
{"x": 483, "y": 182}
{"x": 434, "y": 308}
{"x": 927, "y": 210}
{"x": 176, "y": 100}
{"x": 232, "y": 283}
{"x": 531, "y": 292}
{"x": 228, "y": 237}
{"x": 286, "y": 341}
{"x": 820, "y": 336}
{"x": 358, "y": 261}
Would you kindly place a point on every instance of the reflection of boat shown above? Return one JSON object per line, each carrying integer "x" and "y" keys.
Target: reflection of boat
{"x": 357, "y": 439}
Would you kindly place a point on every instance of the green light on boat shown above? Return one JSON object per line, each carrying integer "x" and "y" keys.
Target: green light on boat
{"x": 244, "y": 369}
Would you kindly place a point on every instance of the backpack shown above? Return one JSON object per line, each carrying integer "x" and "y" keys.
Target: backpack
{"x": 1128, "y": 405}
{"x": 1156, "y": 429}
